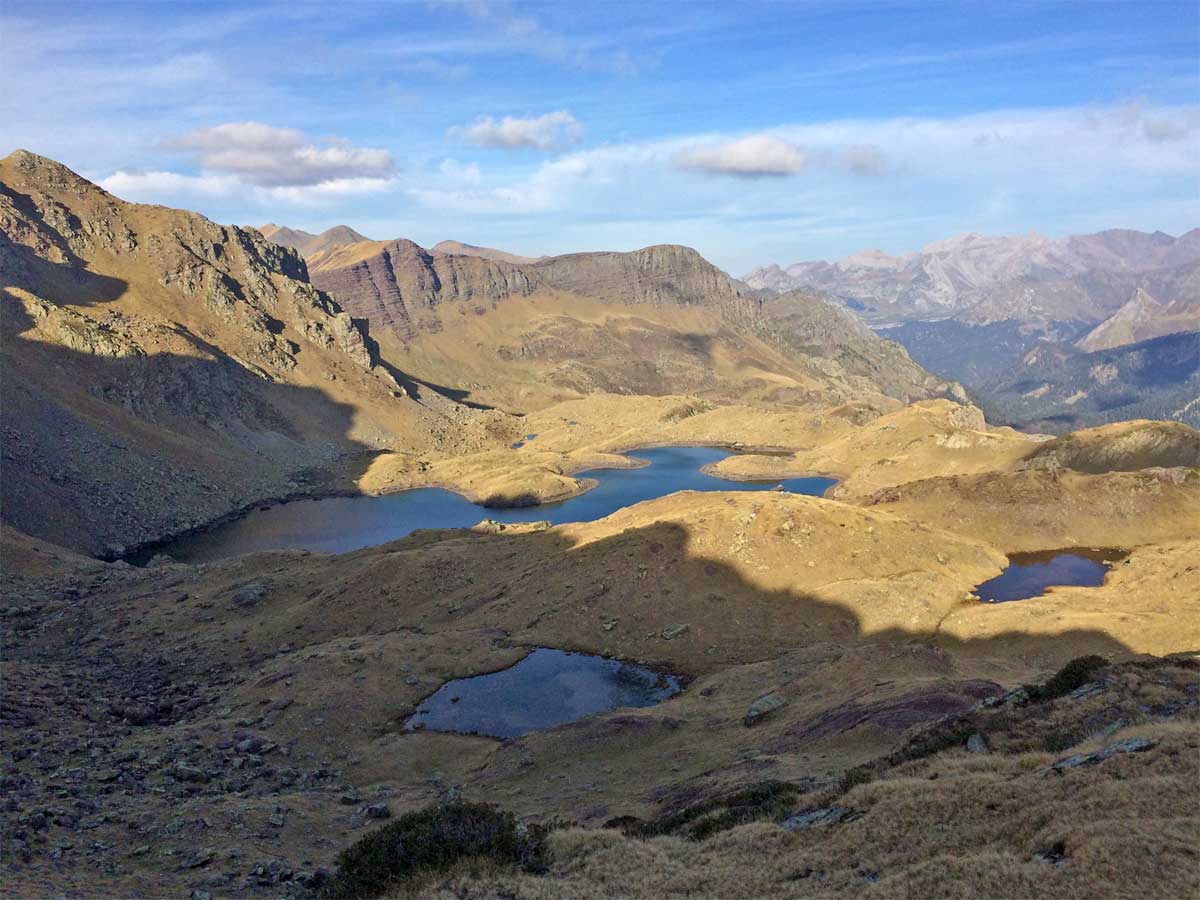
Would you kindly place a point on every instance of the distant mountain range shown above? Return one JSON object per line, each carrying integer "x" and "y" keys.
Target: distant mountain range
{"x": 974, "y": 308}
{"x": 981, "y": 279}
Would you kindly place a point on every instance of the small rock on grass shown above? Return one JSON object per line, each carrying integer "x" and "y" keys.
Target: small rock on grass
{"x": 763, "y": 707}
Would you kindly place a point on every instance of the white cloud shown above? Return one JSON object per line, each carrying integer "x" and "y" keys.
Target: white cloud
{"x": 280, "y": 157}
{"x": 753, "y": 156}
{"x": 548, "y": 132}
{"x": 176, "y": 189}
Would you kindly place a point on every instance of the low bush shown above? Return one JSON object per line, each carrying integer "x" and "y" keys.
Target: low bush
{"x": 1074, "y": 674}
{"x": 766, "y": 800}
{"x": 434, "y": 840}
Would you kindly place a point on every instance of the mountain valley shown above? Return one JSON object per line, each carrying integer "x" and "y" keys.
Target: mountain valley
{"x": 853, "y": 720}
{"x": 973, "y": 308}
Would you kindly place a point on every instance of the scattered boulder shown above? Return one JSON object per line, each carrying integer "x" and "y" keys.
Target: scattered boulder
{"x": 249, "y": 595}
{"x": 673, "y": 631}
{"x": 1129, "y": 745}
{"x": 200, "y": 858}
{"x": 763, "y": 707}
{"x": 822, "y": 815}
{"x": 977, "y": 744}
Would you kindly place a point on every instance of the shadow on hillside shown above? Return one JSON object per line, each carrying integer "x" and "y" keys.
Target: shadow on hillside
{"x": 104, "y": 449}
{"x": 412, "y": 385}
{"x": 542, "y": 589}
{"x": 651, "y": 576}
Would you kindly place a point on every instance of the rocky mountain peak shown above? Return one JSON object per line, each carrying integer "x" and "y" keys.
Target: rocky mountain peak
{"x": 458, "y": 248}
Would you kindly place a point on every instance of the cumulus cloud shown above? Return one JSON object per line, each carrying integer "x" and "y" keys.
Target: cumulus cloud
{"x": 753, "y": 156}
{"x": 548, "y": 132}
{"x": 273, "y": 157}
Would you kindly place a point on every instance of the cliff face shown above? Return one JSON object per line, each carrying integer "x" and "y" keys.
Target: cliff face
{"x": 398, "y": 286}
{"x": 160, "y": 370}
{"x": 663, "y": 275}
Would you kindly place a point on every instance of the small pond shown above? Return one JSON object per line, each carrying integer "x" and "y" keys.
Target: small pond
{"x": 545, "y": 689}
{"x": 1030, "y": 574}
{"x": 341, "y": 524}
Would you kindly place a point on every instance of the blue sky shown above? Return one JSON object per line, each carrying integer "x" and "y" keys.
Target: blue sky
{"x": 755, "y": 132}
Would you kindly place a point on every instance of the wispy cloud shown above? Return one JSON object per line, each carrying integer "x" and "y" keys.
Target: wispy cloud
{"x": 755, "y": 156}
{"x": 547, "y": 132}
{"x": 526, "y": 34}
{"x": 865, "y": 159}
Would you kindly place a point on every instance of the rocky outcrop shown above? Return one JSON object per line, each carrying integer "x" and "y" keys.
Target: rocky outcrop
{"x": 1121, "y": 447}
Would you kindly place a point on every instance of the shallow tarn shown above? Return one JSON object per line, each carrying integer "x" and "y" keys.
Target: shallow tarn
{"x": 545, "y": 689}
{"x": 1030, "y": 574}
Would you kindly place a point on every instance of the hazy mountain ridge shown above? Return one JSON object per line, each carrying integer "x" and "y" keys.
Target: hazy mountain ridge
{"x": 971, "y": 307}
{"x": 984, "y": 279}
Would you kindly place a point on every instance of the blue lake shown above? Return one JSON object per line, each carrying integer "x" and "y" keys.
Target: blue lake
{"x": 1030, "y": 574}
{"x": 545, "y": 689}
{"x": 341, "y": 524}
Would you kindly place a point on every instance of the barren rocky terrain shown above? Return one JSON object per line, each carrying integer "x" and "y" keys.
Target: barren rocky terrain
{"x": 853, "y": 720}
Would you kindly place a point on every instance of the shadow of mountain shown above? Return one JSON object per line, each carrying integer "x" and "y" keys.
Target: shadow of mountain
{"x": 410, "y": 383}
{"x": 541, "y": 589}
{"x": 105, "y": 450}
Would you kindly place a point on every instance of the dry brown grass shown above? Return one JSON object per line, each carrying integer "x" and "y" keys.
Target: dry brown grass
{"x": 955, "y": 825}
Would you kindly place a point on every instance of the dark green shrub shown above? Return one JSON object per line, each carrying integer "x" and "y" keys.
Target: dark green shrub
{"x": 858, "y": 775}
{"x": 1074, "y": 674}
{"x": 1058, "y": 741}
{"x": 772, "y": 800}
{"x": 432, "y": 840}
{"x": 944, "y": 735}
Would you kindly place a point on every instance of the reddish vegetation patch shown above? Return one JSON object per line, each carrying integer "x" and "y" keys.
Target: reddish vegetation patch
{"x": 895, "y": 714}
